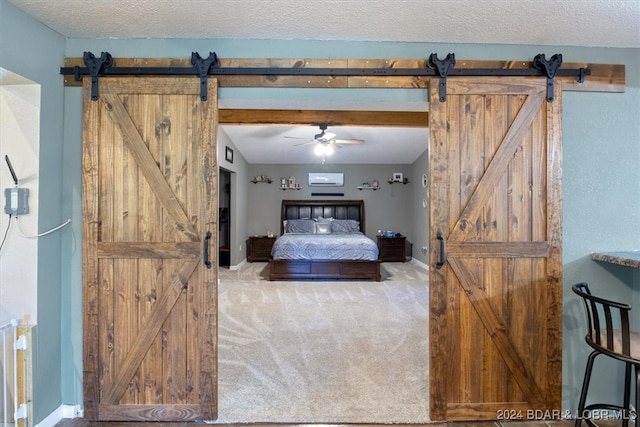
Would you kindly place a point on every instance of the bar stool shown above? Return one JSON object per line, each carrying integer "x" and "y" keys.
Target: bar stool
{"x": 617, "y": 342}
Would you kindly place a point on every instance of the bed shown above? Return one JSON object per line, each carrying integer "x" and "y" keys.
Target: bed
{"x": 344, "y": 253}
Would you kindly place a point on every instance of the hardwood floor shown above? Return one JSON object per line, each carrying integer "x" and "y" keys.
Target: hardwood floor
{"x": 79, "y": 422}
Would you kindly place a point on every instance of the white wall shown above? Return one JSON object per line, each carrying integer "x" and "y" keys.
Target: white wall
{"x": 239, "y": 177}
{"x": 20, "y": 140}
{"x": 419, "y": 213}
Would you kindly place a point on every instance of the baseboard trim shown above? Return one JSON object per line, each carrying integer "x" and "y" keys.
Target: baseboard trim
{"x": 60, "y": 413}
{"x": 52, "y": 419}
{"x": 419, "y": 264}
{"x": 239, "y": 266}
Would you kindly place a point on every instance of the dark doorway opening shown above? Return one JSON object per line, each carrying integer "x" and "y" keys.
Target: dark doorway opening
{"x": 224, "y": 219}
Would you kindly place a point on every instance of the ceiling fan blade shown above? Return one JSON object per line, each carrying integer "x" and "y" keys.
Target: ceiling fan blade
{"x": 349, "y": 141}
{"x": 304, "y": 143}
{"x": 296, "y": 137}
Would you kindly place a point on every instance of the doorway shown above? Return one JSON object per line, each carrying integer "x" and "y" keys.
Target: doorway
{"x": 285, "y": 354}
{"x": 224, "y": 218}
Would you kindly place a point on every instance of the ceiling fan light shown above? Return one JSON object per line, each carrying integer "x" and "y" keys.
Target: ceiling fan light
{"x": 318, "y": 150}
{"x": 328, "y": 150}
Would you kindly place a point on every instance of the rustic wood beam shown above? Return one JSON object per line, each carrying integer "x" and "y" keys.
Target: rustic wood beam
{"x": 331, "y": 118}
{"x": 603, "y": 78}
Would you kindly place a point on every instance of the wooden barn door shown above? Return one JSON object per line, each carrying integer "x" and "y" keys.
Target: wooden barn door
{"x": 496, "y": 302}
{"x": 149, "y": 200}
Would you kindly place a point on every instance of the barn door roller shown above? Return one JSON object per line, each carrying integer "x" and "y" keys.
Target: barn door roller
{"x": 96, "y": 66}
{"x": 442, "y": 68}
{"x": 203, "y": 66}
{"x": 550, "y": 68}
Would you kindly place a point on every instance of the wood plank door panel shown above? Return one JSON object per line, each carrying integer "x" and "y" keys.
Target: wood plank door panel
{"x": 149, "y": 198}
{"x": 495, "y": 326}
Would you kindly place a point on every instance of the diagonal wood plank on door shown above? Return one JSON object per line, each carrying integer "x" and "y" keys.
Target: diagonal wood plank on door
{"x": 497, "y": 330}
{"x": 149, "y": 330}
{"x": 498, "y": 165}
{"x": 148, "y": 166}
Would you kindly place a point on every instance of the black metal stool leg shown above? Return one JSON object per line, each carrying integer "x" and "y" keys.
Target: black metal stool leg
{"x": 627, "y": 395}
{"x": 635, "y": 414}
{"x": 585, "y": 387}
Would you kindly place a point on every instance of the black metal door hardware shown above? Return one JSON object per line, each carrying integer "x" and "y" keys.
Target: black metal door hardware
{"x": 103, "y": 66}
{"x": 443, "y": 250}
{"x": 205, "y": 250}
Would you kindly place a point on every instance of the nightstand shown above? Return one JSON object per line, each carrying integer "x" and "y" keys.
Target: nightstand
{"x": 392, "y": 248}
{"x": 260, "y": 248}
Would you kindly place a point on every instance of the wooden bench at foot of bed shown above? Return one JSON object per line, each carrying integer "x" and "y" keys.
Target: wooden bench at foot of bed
{"x": 324, "y": 269}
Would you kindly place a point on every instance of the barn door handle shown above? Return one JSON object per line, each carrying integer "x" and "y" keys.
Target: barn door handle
{"x": 443, "y": 250}
{"x": 205, "y": 250}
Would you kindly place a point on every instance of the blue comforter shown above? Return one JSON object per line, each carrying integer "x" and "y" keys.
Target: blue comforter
{"x": 334, "y": 246}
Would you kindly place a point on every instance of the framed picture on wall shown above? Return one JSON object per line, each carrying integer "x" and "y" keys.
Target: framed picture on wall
{"x": 398, "y": 177}
{"x": 228, "y": 154}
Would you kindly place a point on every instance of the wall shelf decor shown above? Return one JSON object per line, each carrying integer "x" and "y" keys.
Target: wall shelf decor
{"x": 366, "y": 185}
{"x": 403, "y": 181}
{"x": 289, "y": 183}
{"x": 261, "y": 178}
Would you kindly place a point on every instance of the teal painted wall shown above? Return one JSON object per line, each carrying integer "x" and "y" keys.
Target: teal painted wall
{"x": 601, "y": 179}
{"x": 36, "y": 52}
{"x": 601, "y": 183}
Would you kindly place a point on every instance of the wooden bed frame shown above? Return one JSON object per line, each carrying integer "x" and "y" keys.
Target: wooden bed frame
{"x": 323, "y": 269}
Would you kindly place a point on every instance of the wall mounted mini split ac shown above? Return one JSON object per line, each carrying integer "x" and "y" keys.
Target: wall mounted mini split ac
{"x": 16, "y": 199}
{"x": 324, "y": 179}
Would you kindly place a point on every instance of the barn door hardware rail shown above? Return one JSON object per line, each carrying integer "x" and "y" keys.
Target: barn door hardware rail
{"x": 210, "y": 66}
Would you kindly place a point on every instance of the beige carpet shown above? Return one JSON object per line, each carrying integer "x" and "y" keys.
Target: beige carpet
{"x": 330, "y": 352}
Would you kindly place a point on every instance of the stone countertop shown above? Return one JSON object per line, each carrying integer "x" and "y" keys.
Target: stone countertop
{"x": 627, "y": 258}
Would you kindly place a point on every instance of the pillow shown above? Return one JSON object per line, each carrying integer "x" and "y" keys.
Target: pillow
{"x": 324, "y": 220}
{"x": 345, "y": 226}
{"x": 299, "y": 226}
{"x": 323, "y": 228}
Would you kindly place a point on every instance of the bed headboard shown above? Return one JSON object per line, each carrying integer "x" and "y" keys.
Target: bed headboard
{"x": 338, "y": 209}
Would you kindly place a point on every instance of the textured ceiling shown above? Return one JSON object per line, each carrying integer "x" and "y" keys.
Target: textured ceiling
{"x": 597, "y": 23}
{"x": 605, "y": 23}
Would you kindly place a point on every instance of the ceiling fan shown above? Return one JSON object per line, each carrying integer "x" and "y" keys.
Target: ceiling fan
{"x": 326, "y": 138}
{"x": 326, "y": 142}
